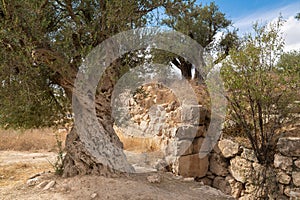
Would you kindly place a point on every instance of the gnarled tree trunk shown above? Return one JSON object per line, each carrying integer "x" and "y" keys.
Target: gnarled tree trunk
{"x": 95, "y": 149}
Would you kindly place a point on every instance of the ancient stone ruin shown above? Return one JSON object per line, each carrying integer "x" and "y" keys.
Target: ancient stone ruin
{"x": 163, "y": 131}
{"x": 159, "y": 139}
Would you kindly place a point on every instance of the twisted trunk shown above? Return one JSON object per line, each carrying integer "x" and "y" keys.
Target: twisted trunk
{"x": 95, "y": 149}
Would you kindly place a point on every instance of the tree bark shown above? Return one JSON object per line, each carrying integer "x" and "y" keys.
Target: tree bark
{"x": 101, "y": 153}
{"x": 92, "y": 150}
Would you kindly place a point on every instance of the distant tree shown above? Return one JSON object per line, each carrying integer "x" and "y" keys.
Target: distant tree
{"x": 297, "y": 16}
{"x": 201, "y": 23}
{"x": 261, "y": 92}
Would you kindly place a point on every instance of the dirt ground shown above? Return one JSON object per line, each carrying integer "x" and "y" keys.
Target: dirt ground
{"x": 19, "y": 163}
{"x": 17, "y": 167}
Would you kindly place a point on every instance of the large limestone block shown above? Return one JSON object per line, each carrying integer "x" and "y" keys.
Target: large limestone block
{"x": 289, "y": 146}
{"x": 241, "y": 169}
{"x": 193, "y": 166}
{"x": 189, "y": 132}
{"x": 184, "y": 147}
{"x": 194, "y": 114}
{"x": 228, "y": 148}
{"x": 197, "y": 143}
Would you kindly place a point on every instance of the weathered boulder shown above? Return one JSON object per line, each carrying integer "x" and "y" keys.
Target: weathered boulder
{"x": 218, "y": 165}
{"x": 228, "y": 148}
{"x": 283, "y": 162}
{"x": 296, "y": 178}
{"x": 192, "y": 166}
{"x": 289, "y": 146}
{"x": 241, "y": 169}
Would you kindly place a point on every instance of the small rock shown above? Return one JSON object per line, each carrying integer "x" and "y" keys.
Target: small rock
{"x": 228, "y": 148}
{"x": 222, "y": 184}
{"x": 154, "y": 178}
{"x": 283, "y": 162}
{"x": 42, "y": 184}
{"x": 204, "y": 181}
{"x": 289, "y": 146}
{"x": 295, "y": 193}
{"x": 32, "y": 182}
{"x": 297, "y": 163}
{"x": 177, "y": 177}
{"x": 287, "y": 191}
{"x": 283, "y": 178}
{"x": 250, "y": 188}
{"x": 249, "y": 155}
{"x": 218, "y": 165}
{"x": 296, "y": 178}
{"x": 94, "y": 195}
{"x": 189, "y": 179}
{"x": 49, "y": 185}
{"x": 247, "y": 197}
{"x": 236, "y": 187}
{"x": 241, "y": 169}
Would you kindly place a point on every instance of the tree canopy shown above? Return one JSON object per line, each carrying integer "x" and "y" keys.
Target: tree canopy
{"x": 42, "y": 45}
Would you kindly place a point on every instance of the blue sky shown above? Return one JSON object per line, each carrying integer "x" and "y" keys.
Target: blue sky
{"x": 244, "y": 13}
{"x": 236, "y": 9}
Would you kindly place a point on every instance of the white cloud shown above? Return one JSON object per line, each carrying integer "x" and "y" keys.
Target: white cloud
{"x": 291, "y": 28}
{"x": 291, "y": 33}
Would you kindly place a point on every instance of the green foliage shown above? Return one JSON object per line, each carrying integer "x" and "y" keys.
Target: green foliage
{"x": 201, "y": 23}
{"x": 262, "y": 84}
{"x": 260, "y": 92}
{"x": 58, "y": 163}
{"x": 42, "y": 44}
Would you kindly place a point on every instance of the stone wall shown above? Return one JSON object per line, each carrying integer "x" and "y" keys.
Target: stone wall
{"x": 171, "y": 136}
{"x": 235, "y": 170}
{"x": 160, "y": 124}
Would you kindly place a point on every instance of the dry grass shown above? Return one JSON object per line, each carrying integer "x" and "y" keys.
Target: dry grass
{"x": 16, "y": 168}
{"x": 11, "y": 175}
{"x": 137, "y": 145}
{"x": 30, "y": 140}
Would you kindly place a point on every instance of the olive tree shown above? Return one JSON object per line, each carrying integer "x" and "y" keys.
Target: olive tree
{"x": 42, "y": 45}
